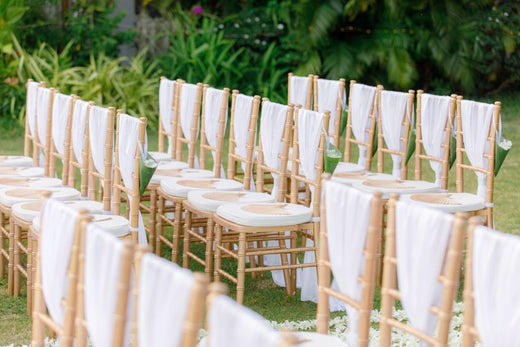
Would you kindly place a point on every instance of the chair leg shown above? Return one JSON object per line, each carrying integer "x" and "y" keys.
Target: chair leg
{"x": 10, "y": 265}
{"x": 177, "y": 225}
{"x": 153, "y": 217}
{"x": 286, "y": 271}
{"x": 2, "y": 245}
{"x": 29, "y": 273}
{"x": 209, "y": 247}
{"x": 241, "y": 269}
{"x": 38, "y": 328}
{"x": 293, "y": 258}
{"x": 259, "y": 245}
{"x": 187, "y": 240}
{"x": 17, "y": 260}
{"x": 252, "y": 259}
{"x": 159, "y": 230}
{"x": 218, "y": 253}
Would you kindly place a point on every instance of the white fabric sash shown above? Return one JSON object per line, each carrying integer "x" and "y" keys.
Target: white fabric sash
{"x": 243, "y": 110}
{"x": 394, "y": 107}
{"x": 298, "y": 90}
{"x": 435, "y": 111}
{"x": 44, "y": 98}
{"x": 496, "y": 264}
{"x": 212, "y": 105}
{"x": 187, "y": 107}
{"x": 422, "y": 239}
{"x": 361, "y": 102}
{"x": 166, "y": 94}
{"x": 32, "y": 96}
{"x": 58, "y": 227}
{"x": 60, "y": 118}
{"x": 347, "y": 220}
{"x": 79, "y": 122}
{"x": 97, "y": 126}
{"x": 233, "y": 325}
{"x": 477, "y": 118}
{"x": 102, "y": 272}
{"x": 164, "y": 298}
{"x": 328, "y": 97}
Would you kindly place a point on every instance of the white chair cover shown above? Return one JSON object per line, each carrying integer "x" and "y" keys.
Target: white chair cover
{"x": 422, "y": 239}
{"x": 32, "y": 97}
{"x": 298, "y": 90}
{"x": 102, "y": 272}
{"x": 477, "y": 120}
{"x": 394, "y": 107}
{"x": 60, "y": 118}
{"x": 435, "y": 111}
{"x": 97, "y": 125}
{"x": 58, "y": 227}
{"x": 44, "y": 98}
{"x": 187, "y": 107}
{"x": 328, "y": 96}
{"x": 163, "y": 303}
{"x": 233, "y": 325}
{"x": 212, "y": 105}
{"x": 79, "y": 122}
{"x": 128, "y": 145}
{"x": 496, "y": 263}
{"x": 166, "y": 94}
{"x": 242, "y": 116}
{"x": 347, "y": 220}
{"x": 361, "y": 102}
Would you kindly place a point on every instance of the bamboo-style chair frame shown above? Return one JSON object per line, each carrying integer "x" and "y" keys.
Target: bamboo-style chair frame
{"x": 349, "y": 137}
{"x": 449, "y": 279}
{"x": 445, "y": 159}
{"x": 406, "y": 123}
{"x": 163, "y": 133}
{"x": 338, "y": 111}
{"x": 192, "y": 234}
{"x": 310, "y": 91}
{"x": 487, "y": 212}
{"x": 368, "y": 279}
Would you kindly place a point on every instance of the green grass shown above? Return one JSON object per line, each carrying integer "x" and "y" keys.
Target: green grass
{"x": 261, "y": 294}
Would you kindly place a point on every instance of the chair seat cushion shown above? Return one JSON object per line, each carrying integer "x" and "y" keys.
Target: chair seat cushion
{"x": 117, "y": 225}
{"x": 11, "y": 196}
{"x": 265, "y": 214}
{"x": 180, "y": 187}
{"x": 162, "y": 173}
{"x": 21, "y": 171}
{"x": 448, "y": 202}
{"x": 209, "y": 200}
{"x": 30, "y": 182}
{"x": 15, "y": 160}
{"x": 161, "y": 156}
{"x": 396, "y": 186}
{"x": 349, "y": 177}
{"x": 348, "y": 167}
{"x": 27, "y": 211}
{"x": 312, "y": 339}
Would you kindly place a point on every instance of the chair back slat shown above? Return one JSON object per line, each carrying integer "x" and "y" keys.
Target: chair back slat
{"x": 330, "y": 96}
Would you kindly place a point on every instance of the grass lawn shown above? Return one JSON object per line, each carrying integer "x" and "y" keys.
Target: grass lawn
{"x": 261, "y": 294}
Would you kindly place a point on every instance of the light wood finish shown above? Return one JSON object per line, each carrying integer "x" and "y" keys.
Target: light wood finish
{"x": 368, "y": 279}
{"x": 445, "y": 158}
{"x": 349, "y": 137}
{"x": 381, "y": 149}
{"x": 338, "y": 111}
{"x": 310, "y": 91}
{"x": 449, "y": 280}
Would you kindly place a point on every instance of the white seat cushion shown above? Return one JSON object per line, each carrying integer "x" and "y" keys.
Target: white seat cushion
{"x": 349, "y": 177}
{"x": 161, "y": 173}
{"x": 448, "y": 202}
{"x": 396, "y": 186}
{"x": 180, "y": 187}
{"x": 117, "y": 225}
{"x": 30, "y": 182}
{"x": 348, "y": 167}
{"x": 11, "y": 196}
{"x": 265, "y": 214}
{"x": 209, "y": 200}
{"x": 21, "y": 171}
{"x": 160, "y": 156}
{"x": 312, "y": 339}
{"x": 27, "y": 211}
{"x": 15, "y": 160}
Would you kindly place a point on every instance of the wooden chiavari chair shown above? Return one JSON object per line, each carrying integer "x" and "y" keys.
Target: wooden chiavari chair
{"x": 330, "y": 96}
{"x": 300, "y": 90}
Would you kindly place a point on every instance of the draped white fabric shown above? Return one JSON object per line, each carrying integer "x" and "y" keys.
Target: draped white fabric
{"x": 79, "y": 122}
{"x": 128, "y": 145}
{"x": 328, "y": 96}
{"x": 394, "y": 107}
{"x": 347, "y": 220}
{"x": 298, "y": 90}
{"x": 496, "y": 260}
{"x": 241, "y": 119}
{"x": 361, "y": 102}
{"x": 60, "y": 117}
{"x": 477, "y": 118}
{"x": 164, "y": 297}
{"x": 57, "y": 230}
{"x": 232, "y": 325}
{"x": 435, "y": 111}
{"x": 42, "y": 112}
{"x": 166, "y": 94}
{"x": 422, "y": 237}
{"x": 213, "y": 100}
{"x": 187, "y": 107}
{"x": 32, "y": 96}
{"x": 102, "y": 273}
{"x": 97, "y": 125}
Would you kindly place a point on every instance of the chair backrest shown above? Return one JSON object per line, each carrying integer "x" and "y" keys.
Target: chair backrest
{"x": 213, "y": 127}
{"x": 361, "y": 122}
{"x": 242, "y": 137}
{"x": 57, "y": 271}
{"x": 395, "y": 112}
{"x": 351, "y": 227}
{"x": 30, "y": 116}
{"x": 167, "y": 120}
{"x": 477, "y": 125}
{"x": 273, "y": 147}
{"x": 130, "y": 138}
{"x": 299, "y": 91}
{"x": 435, "y": 117}
{"x": 491, "y": 287}
{"x": 169, "y": 302}
{"x": 100, "y": 136}
{"x": 423, "y": 254}
{"x": 42, "y": 128}
{"x": 330, "y": 96}
{"x": 79, "y": 145}
{"x": 188, "y": 99}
